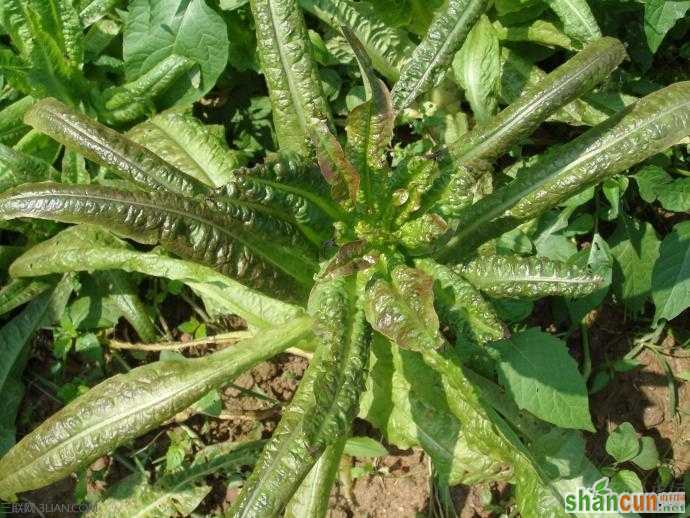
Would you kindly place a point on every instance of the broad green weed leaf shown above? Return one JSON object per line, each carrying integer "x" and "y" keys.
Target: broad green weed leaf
{"x": 128, "y": 405}
{"x": 477, "y": 68}
{"x": 88, "y": 248}
{"x": 290, "y": 72}
{"x": 452, "y": 24}
{"x": 648, "y": 458}
{"x": 622, "y": 443}
{"x": 558, "y": 396}
{"x": 195, "y": 149}
{"x": 598, "y": 260}
{"x": 156, "y": 29}
{"x": 635, "y": 248}
{"x": 561, "y": 452}
{"x": 656, "y": 184}
{"x": 626, "y": 481}
{"x": 671, "y": 274}
{"x": 659, "y": 17}
{"x": 313, "y": 496}
{"x": 577, "y": 18}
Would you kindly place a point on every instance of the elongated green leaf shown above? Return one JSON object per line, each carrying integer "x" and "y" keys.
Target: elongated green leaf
{"x": 457, "y": 187}
{"x": 577, "y": 18}
{"x": 11, "y": 126}
{"x": 322, "y": 410}
{"x": 128, "y": 405}
{"x": 290, "y": 72}
{"x": 108, "y": 147}
{"x": 192, "y": 229}
{"x": 43, "y": 311}
{"x": 39, "y": 146}
{"x": 20, "y": 291}
{"x": 520, "y": 75}
{"x": 477, "y": 68}
{"x": 74, "y": 169}
{"x": 576, "y": 76}
{"x": 528, "y": 277}
{"x": 369, "y": 127}
{"x": 387, "y": 46}
{"x": 122, "y": 294}
{"x": 645, "y": 128}
{"x": 452, "y": 24}
{"x": 136, "y": 99}
{"x": 48, "y": 37}
{"x": 88, "y": 248}
{"x": 403, "y": 310}
{"x": 537, "y": 31}
{"x": 98, "y": 38}
{"x": 177, "y": 493}
{"x": 23, "y": 20}
{"x": 17, "y": 168}
{"x": 460, "y": 306}
{"x": 195, "y": 149}
{"x": 312, "y": 498}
